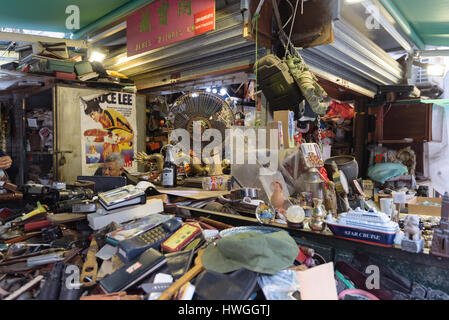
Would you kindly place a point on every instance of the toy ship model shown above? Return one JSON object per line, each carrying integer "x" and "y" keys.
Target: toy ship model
{"x": 364, "y": 226}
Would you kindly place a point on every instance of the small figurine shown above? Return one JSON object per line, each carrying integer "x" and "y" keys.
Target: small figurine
{"x": 341, "y": 185}
{"x": 215, "y": 167}
{"x": 277, "y": 198}
{"x": 408, "y": 158}
{"x": 441, "y": 235}
{"x": 411, "y": 227}
{"x": 412, "y": 241}
{"x": 330, "y": 198}
{"x": 305, "y": 199}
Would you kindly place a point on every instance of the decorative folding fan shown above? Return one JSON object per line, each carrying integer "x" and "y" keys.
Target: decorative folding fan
{"x": 209, "y": 109}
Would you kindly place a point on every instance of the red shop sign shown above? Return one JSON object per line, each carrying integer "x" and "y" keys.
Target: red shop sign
{"x": 164, "y": 22}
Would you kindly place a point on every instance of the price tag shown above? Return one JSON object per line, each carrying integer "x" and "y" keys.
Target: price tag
{"x": 399, "y": 197}
{"x": 32, "y": 123}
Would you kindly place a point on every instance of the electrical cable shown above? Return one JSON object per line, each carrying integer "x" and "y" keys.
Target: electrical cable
{"x": 256, "y": 17}
{"x": 388, "y": 110}
{"x": 358, "y": 292}
{"x": 291, "y": 16}
{"x": 282, "y": 35}
{"x": 291, "y": 27}
{"x": 320, "y": 256}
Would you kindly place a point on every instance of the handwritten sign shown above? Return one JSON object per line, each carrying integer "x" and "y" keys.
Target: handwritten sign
{"x": 164, "y": 22}
{"x": 399, "y": 197}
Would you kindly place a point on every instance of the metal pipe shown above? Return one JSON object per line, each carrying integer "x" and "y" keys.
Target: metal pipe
{"x": 403, "y": 23}
{"x": 55, "y": 133}
{"x": 434, "y": 53}
{"x": 107, "y": 33}
{"x": 112, "y": 16}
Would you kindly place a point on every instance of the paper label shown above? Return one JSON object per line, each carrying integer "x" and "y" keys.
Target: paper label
{"x": 312, "y": 155}
{"x": 134, "y": 267}
{"x": 399, "y": 197}
{"x": 167, "y": 177}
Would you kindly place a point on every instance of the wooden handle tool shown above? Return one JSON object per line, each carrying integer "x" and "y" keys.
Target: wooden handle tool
{"x": 216, "y": 224}
{"x": 90, "y": 266}
{"x": 174, "y": 288}
{"x": 112, "y": 296}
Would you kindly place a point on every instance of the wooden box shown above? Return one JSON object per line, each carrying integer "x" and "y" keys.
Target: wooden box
{"x": 415, "y": 207}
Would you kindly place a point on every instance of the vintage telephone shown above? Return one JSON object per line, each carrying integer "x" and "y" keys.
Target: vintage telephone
{"x": 153, "y": 238}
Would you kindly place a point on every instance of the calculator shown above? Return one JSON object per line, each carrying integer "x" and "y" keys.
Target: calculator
{"x": 130, "y": 249}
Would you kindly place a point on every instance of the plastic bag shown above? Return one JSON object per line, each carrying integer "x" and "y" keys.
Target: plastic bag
{"x": 381, "y": 172}
{"x": 343, "y": 110}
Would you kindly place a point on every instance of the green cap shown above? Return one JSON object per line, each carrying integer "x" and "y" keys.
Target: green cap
{"x": 266, "y": 253}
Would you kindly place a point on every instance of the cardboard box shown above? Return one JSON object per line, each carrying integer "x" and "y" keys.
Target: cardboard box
{"x": 288, "y": 126}
{"x": 415, "y": 207}
{"x": 100, "y": 220}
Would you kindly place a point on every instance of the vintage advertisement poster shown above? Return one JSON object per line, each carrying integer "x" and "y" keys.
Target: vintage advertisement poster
{"x": 108, "y": 124}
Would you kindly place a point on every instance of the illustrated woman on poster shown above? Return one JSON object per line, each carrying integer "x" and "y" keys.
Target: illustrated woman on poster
{"x": 117, "y": 134}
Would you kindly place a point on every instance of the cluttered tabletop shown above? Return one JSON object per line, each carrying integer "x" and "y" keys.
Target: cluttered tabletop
{"x": 149, "y": 242}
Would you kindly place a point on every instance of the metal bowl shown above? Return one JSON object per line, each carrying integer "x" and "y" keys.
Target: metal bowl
{"x": 345, "y": 163}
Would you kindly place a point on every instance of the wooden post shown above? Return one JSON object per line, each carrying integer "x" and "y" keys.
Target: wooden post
{"x": 360, "y": 134}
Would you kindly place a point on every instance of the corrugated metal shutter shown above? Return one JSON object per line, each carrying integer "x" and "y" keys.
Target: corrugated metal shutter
{"x": 354, "y": 58}
{"x": 225, "y": 48}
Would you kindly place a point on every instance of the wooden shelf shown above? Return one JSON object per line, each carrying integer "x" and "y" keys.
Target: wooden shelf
{"x": 40, "y": 152}
{"x": 396, "y": 141}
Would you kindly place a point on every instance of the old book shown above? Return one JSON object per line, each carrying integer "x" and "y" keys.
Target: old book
{"x": 134, "y": 271}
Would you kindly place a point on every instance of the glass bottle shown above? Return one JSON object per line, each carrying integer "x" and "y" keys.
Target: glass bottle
{"x": 169, "y": 171}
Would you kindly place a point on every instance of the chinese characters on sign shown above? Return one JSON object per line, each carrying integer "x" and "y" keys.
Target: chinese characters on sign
{"x": 145, "y": 24}
{"x": 185, "y": 7}
{"x": 163, "y": 10}
{"x": 164, "y": 22}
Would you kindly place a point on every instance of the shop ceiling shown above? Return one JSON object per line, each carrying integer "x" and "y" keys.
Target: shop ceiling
{"x": 50, "y": 15}
{"x": 353, "y": 59}
{"x": 426, "y": 22}
{"x": 358, "y": 54}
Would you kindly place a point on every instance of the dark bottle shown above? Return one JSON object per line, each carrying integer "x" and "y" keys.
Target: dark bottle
{"x": 169, "y": 172}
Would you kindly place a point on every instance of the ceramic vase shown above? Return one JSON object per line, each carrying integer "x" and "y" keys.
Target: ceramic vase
{"x": 277, "y": 198}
